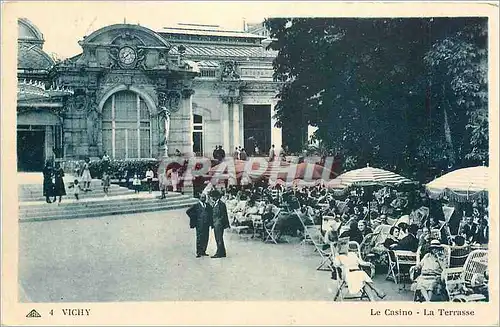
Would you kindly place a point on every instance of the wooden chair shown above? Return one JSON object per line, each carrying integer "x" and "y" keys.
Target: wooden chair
{"x": 258, "y": 225}
{"x": 271, "y": 233}
{"x": 367, "y": 267}
{"x": 399, "y": 264}
{"x": 458, "y": 255}
{"x": 312, "y": 234}
{"x": 342, "y": 292}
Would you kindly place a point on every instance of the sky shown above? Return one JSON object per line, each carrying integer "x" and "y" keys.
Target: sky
{"x": 63, "y": 24}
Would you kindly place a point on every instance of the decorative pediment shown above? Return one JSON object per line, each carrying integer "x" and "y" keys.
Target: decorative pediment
{"x": 125, "y": 34}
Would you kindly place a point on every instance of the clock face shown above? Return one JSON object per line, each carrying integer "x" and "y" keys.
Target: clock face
{"x": 127, "y": 55}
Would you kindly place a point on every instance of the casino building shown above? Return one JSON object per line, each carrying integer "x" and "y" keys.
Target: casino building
{"x": 138, "y": 93}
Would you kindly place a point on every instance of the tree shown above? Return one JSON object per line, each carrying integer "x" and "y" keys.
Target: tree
{"x": 378, "y": 91}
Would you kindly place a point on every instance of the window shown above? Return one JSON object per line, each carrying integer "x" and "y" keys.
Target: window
{"x": 126, "y": 126}
{"x": 198, "y": 135}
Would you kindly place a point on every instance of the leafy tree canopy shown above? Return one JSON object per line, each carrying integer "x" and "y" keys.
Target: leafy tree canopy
{"x": 409, "y": 95}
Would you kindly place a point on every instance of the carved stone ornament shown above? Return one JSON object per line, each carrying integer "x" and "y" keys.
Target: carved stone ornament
{"x": 229, "y": 70}
{"x": 174, "y": 100}
{"x": 186, "y": 93}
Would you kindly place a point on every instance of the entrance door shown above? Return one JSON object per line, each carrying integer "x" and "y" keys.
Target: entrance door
{"x": 257, "y": 127}
{"x": 30, "y": 150}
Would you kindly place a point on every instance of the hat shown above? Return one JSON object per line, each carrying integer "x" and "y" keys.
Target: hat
{"x": 215, "y": 194}
{"x": 435, "y": 244}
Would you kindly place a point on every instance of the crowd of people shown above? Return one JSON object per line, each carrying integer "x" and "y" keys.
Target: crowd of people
{"x": 378, "y": 220}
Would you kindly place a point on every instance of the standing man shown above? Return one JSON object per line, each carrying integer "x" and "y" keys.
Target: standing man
{"x": 200, "y": 217}
{"x": 221, "y": 222}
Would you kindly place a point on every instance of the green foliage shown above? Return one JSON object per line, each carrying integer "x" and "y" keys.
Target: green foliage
{"x": 378, "y": 89}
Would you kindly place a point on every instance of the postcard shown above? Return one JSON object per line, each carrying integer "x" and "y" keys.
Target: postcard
{"x": 249, "y": 163}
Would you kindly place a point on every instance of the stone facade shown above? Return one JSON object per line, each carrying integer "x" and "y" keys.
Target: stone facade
{"x": 136, "y": 93}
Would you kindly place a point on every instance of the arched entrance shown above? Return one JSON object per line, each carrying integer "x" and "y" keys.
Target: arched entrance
{"x": 126, "y": 126}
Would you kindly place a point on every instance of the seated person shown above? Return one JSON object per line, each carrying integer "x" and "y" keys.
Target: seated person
{"x": 393, "y": 238}
{"x": 356, "y": 278}
{"x": 353, "y": 233}
{"x": 482, "y": 234}
{"x": 363, "y": 228}
{"x": 430, "y": 268}
{"x": 410, "y": 241}
{"x": 403, "y": 229}
{"x": 468, "y": 229}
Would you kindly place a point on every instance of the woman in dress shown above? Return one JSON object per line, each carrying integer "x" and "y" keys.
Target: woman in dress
{"x": 86, "y": 177}
{"x": 59, "y": 189}
{"x": 48, "y": 186}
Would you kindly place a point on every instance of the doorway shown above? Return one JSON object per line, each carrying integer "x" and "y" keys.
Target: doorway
{"x": 31, "y": 149}
{"x": 257, "y": 128}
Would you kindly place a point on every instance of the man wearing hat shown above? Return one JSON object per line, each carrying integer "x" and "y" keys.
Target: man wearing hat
{"x": 200, "y": 217}
{"x": 220, "y": 222}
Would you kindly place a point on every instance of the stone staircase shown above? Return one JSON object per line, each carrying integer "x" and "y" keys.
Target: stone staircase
{"x": 34, "y": 192}
{"x": 121, "y": 201}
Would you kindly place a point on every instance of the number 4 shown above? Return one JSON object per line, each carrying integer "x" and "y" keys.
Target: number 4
{"x": 51, "y": 312}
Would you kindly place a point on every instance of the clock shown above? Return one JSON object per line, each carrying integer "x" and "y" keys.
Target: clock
{"x": 127, "y": 55}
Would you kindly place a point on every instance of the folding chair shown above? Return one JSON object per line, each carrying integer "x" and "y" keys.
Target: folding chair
{"x": 271, "y": 234}
{"x": 342, "y": 292}
{"x": 400, "y": 263}
{"x": 312, "y": 234}
{"x": 258, "y": 225}
{"x": 367, "y": 267}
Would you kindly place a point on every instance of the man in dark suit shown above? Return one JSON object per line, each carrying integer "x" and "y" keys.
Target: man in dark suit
{"x": 221, "y": 222}
{"x": 200, "y": 217}
{"x": 410, "y": 241}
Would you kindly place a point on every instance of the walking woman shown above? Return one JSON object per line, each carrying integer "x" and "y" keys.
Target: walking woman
{"x": 48, "y": 186}
{"x": 86, "y": 177}
{"x": 59, "y": 189}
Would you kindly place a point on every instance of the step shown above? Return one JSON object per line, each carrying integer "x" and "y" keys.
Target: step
{"x": 36, "y": 194}
{"x": 102, "y": 211}
{"x": 93, "y": 214}
{"x": 79, "y": 207}
{"x": 90, "y": 194}
{"x": 69, "y": 201}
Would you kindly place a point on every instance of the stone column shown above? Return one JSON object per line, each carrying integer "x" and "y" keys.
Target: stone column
{"x": 276, "y": 137}
{"x": 237, "y": 140}
{"x": 187, "y": 103}
{"x": 226, "y": 143}
{"x": 240, "y": 124}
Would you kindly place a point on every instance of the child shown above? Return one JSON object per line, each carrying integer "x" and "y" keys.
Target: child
{"x": 149, "y": 177}
{"x": 105, "y": 183}
{"x": 136, "y": 182}
{"x": 76, "y": 189}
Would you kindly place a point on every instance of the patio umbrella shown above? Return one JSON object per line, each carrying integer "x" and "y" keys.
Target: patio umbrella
{"x": 370, "y": 176}
{"x": 461, "y": 185}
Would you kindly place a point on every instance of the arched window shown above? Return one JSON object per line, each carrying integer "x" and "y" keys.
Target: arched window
{"x": 126, "y": 126}
{"x": 198, "y": 135}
